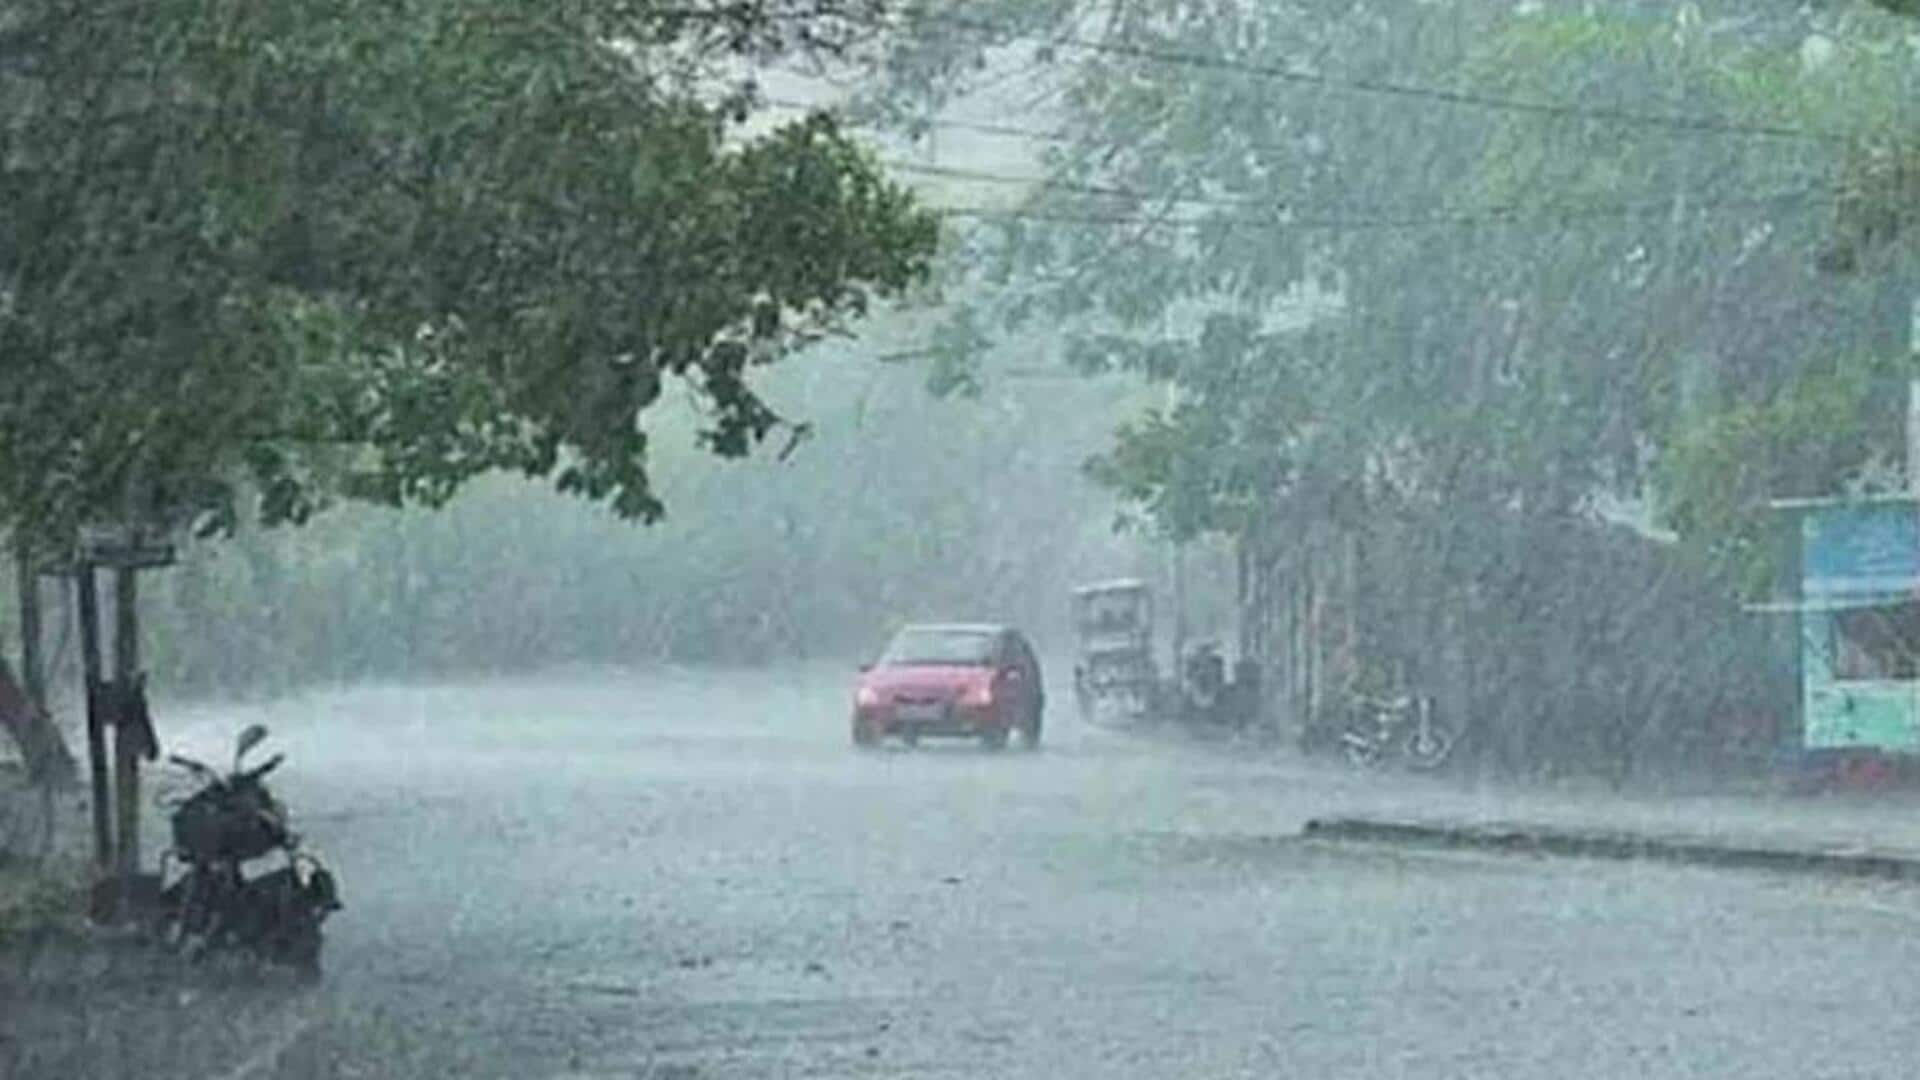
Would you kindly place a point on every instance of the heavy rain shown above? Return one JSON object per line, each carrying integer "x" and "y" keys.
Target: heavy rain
{"x": 1029, "y": 538}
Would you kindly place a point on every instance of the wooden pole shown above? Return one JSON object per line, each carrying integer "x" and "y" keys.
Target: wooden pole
{"x": 127, "y": 743}
{"x": 89, "y": 597}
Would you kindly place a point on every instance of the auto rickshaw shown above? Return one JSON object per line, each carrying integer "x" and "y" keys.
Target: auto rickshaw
{"x": 1114, "y": 679}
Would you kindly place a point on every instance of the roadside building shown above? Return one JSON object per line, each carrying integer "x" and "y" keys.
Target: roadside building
{"x": 1856, "y": 602}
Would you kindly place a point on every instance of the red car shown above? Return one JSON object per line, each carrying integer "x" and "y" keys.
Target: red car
{"x": 966, "y": 680}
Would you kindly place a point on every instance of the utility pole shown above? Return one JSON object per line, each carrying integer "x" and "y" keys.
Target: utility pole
{"x": 1909, "y": 330}
{"x": 1179, "y": 565}
{"x": 1913, "y": 438}
{"x": 88, "y": 595}
{"x": 129, "y": 733}
{"x": 1179, "y": 608}
{"x": 119, "y": 703}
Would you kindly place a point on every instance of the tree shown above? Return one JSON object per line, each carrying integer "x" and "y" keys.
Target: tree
{"x": 41, "y": 747}
{"x": 274, "y": 253}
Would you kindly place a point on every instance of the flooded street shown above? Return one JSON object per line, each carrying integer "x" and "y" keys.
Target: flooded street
{"x": 509, "y": 405}
{"x": 691, "y": 875}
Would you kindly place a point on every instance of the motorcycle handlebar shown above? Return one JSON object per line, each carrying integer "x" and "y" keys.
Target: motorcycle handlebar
{"x": 265, "y": 767}
{"x": 196, "y": 767}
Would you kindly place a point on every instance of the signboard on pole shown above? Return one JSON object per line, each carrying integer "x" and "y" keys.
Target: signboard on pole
{"x": 123, "y": 546}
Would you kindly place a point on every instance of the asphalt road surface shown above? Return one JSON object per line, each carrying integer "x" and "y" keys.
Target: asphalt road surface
{"x": 696, "y": 876}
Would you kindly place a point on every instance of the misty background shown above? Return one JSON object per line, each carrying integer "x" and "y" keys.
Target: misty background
{"x": 899, "y": 506}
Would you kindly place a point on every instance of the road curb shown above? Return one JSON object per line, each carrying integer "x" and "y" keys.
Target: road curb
{"x": 1525, "y": 839}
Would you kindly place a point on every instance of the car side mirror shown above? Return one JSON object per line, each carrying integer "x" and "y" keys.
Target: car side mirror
{"x": 864, "y": 668}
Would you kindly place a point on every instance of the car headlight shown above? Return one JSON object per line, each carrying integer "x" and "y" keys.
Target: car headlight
{"x": 866, "y": 697}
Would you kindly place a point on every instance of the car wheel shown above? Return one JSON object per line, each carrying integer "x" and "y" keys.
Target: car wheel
{"x": 864, "y": 736}
{"x": 1030, "y": 733}
{"x": 994, "y": 738}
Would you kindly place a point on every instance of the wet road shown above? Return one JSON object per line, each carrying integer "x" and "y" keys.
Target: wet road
{"x": 689, "y": 877}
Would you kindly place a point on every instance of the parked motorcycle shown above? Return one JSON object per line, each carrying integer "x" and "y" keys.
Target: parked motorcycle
{"x": 222, "y": 899}
{"x": 1207, "y": 700}
{"x": 1378, "y": 728}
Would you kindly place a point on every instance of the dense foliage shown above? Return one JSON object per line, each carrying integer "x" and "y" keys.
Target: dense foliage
{"x": 282, "y": 251}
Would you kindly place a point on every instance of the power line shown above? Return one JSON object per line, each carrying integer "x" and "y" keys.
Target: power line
{"x": 1563, "y": 110}
{"x": 1503, "y": 213}
{"x": 1499, "y": 214}
{"x": 1516, "y": 215}
{"x": 1489, "y": 216}
{"x": 1048, "y": 184}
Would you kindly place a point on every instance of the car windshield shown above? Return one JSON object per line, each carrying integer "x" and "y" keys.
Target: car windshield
{"x": 1110, "y": 612}
{"x": 926, "y": 646}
